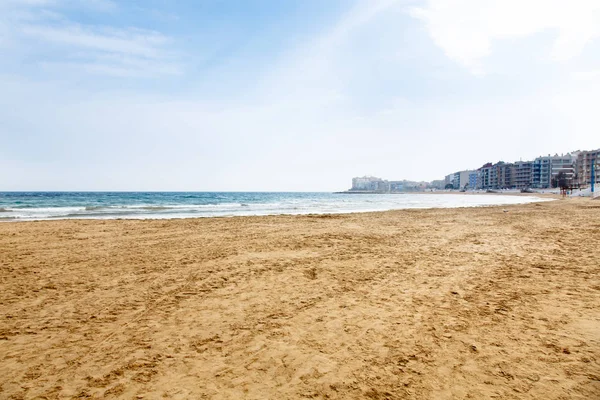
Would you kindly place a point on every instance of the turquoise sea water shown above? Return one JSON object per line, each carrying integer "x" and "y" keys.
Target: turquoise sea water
{"x": 22, "y": 206}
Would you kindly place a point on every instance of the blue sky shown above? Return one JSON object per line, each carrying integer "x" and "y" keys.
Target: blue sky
{"x": 288, "y": 95}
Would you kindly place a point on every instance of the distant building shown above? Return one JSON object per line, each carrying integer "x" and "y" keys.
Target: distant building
{"x": 584, "y": 162}
{"x": 540, "y": 173}
{"x": 522, "y": 174}
{"x": 495, "y": 176}
{"x": 483, "y": 176}
{"x": 449, "y": 180}
{"x": 546, "y": 169}
{"x": 473, "y": 180}
{"x": 493, "y": 179}
{"x": 504, "y": 175}
{"x": 378, "y": 185}
{"x": 563, "y": 164}
{"x": 456, "y": 180}
{"x": 370, "y": 184}
{"x": 461, "y": 180}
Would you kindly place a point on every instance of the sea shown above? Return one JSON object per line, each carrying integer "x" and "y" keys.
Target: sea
{"x": 27, "y": 206}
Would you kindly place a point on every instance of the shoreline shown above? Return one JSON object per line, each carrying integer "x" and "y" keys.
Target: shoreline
{"x": 418, "y": 303}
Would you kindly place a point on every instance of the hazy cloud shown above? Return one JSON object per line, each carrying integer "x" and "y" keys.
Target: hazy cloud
{"x": 466, "y": 29}
{"x": 116, "y": 41}
{"x": 39, "y": 25}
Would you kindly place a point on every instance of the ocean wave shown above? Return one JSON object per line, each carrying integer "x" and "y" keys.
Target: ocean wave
{"x": 36, "y": 210}
{"x": 151, "y": 207}
{"x": 132, "y": 207}
{"x": 120, "y": 214}
{"x": 156, "y": 208}
{"x": 128, "y": 207}
{"x": 170, "y": 207}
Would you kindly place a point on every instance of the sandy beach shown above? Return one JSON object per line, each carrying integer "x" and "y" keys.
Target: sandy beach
{"x": 473, "y": 303}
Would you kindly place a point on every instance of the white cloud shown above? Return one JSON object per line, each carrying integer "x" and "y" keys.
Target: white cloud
{"x": 31, "y": 28}
{"x": 129, "y": 41}
{"x": 466, "y": 29}
{"x": 96, "y": 5}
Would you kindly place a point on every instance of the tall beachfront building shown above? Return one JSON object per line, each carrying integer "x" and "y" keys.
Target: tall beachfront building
{"x": 496, "y": 176}
{"x": 585, "y": 159}
{"x": 483, "y": 176}
{"x": 545, "y": 170}
{"x": 462, "y": 180}
{"x": 473, "y": 180}
{"x": 522, "y": 174}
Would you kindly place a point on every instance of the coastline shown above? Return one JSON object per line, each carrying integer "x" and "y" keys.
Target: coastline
{"x": 417, "y": 303}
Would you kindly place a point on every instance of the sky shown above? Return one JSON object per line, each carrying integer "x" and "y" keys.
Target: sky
{"x": 295, "y": 95}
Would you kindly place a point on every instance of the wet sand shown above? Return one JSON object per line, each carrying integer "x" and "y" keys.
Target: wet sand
{"x": 500, "y": 302}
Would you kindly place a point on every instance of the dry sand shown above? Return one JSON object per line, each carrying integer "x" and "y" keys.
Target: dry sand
{"x": 420, "y": 304}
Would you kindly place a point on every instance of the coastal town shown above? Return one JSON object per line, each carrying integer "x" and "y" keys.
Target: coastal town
{"x": 574, "y": 170}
